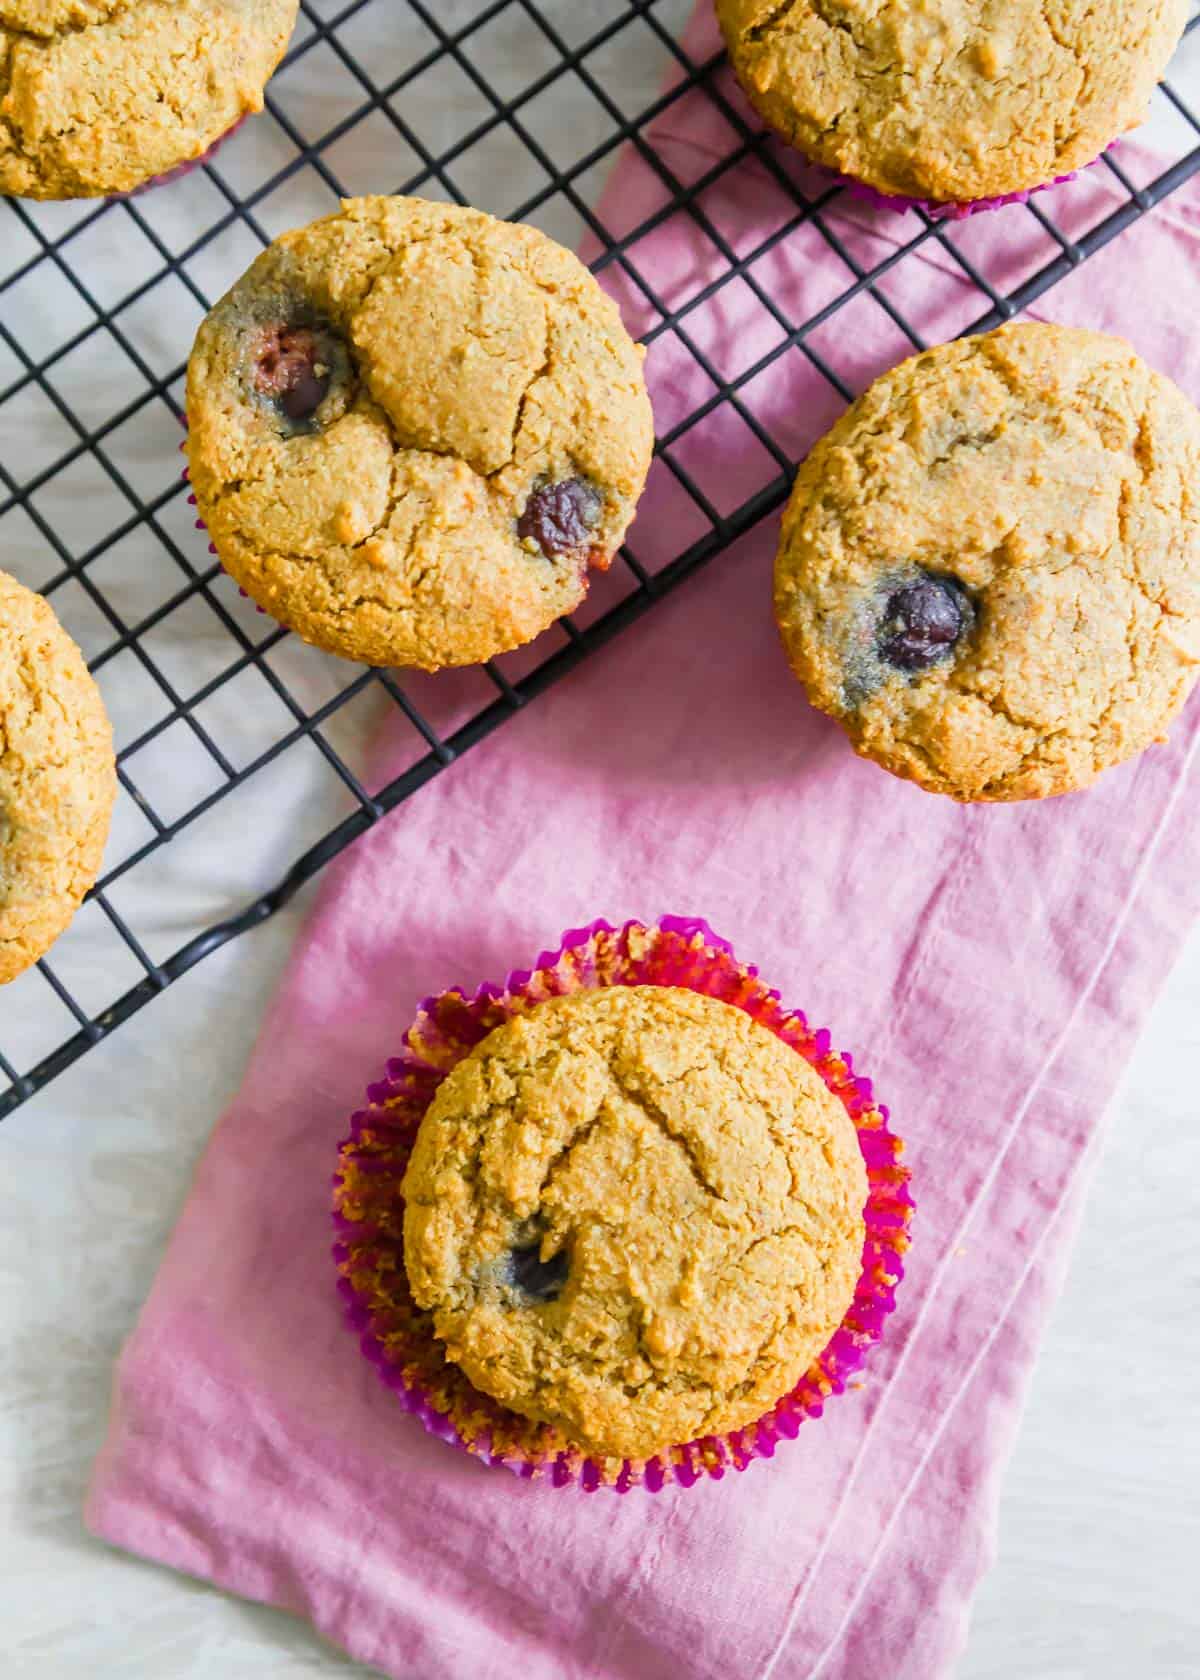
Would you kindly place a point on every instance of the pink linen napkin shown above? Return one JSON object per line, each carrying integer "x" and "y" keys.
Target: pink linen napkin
{"x": 988, "y": 967}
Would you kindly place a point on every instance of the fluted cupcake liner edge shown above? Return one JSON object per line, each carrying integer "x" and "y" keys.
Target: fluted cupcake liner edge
{"x": 368, "y": 1208}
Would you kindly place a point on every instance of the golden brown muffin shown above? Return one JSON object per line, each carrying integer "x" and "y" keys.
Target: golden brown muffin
{"x": 635, "y": 1214}
{"x": 990, "y": 568}
{"x": 951, "y": 99}
{"x": 413, "y": 429}
{"x": 57, "y": 778}
{"x": 99, "y": 96}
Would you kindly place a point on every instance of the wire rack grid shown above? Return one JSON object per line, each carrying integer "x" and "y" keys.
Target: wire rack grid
{"x": 519, "y": 106}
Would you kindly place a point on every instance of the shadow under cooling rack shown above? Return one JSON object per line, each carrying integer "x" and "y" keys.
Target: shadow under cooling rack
{"x": 520, "y": 108}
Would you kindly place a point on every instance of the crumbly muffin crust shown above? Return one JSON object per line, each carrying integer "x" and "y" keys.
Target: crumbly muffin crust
{"x": 989, "y": 569}
{"x": 951, "y": 99}
{"x": 413, "y": 428}
{"x": 99, "y": 96}
{"x": 636, "y": 1215}
{"x": 57, "y": 778}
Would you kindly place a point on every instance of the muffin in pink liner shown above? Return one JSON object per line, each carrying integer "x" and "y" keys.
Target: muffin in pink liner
{"x": 398, "y": 1336}
{"x": 950, "y": 109}
{"x": 109, "y": 105}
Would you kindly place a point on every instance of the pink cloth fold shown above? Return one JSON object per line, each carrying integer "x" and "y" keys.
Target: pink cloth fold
{"x": 989, "y": 968}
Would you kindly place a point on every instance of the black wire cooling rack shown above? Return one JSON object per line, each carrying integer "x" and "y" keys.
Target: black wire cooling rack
{"x": 444, "y": 99}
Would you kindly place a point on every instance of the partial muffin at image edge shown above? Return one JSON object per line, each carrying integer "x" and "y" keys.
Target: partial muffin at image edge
{"x": 623, "y": 1220}
{"x": 414, "y": 429}
{"x": 57, "y": 778}
{"x": 104, "y": 100}
{"x": 951, "y": 104}
{"x": 989, "y": 569}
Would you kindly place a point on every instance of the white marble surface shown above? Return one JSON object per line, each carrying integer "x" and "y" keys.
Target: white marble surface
{"x": 1100, "y": 1519}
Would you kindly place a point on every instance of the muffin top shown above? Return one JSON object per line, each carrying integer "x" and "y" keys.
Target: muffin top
{"x": 97, "y": 96}
{"x": 57, "y": 780}
{"x": 953, "y": 99}
{"x": 636, "y": 1215}
{"x": 990, "y": 567}
{"x": 412, "y": 430}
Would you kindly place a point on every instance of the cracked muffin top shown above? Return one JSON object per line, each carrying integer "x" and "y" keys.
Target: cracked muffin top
{"x": 951, "y": 99}
{"x": 990, "y": 567}
{"x": 635, "y": 1214}
{"x": 57, "y": 780}
{"x": 413, "y": 429}
{"x": 99, "y": 96}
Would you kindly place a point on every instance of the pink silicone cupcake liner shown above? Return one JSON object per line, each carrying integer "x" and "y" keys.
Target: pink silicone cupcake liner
{"x": 186, "y": 167}
{"x": 942, "y": 211}
{"x": 397, "y": 1337}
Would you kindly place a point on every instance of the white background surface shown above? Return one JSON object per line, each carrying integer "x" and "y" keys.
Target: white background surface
{"x": 1100, "y": 1522}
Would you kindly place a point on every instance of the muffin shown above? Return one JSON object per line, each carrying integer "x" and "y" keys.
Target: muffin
{"x": 412, "y": 431}
{"x": 101, "y": 96}
{"x": 624, "y": 1219}
{"x": 951, "y": 102}
{"x": 989, "y": 569}
{"x": 634, "y": 1215}
{"x": 57, "y": 778}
